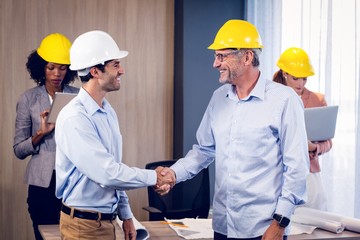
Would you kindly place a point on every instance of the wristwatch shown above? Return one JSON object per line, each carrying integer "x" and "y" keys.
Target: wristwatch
{"x": 283, "y": 221}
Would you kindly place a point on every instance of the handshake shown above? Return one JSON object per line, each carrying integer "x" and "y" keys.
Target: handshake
{"x": 166, "y": 179}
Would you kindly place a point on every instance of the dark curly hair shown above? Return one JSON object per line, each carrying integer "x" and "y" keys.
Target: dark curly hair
{"x": 36, "y": 68}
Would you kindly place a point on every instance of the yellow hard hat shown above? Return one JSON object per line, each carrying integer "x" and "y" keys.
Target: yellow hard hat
{"x": 296, "y": 62}
{"x": 237, "y": 34}
{"x": 55, "y": 48}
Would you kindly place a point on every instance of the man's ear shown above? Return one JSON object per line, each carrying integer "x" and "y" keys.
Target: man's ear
{"x": 249, "y": 55}
{"x": 246, "y": 56}
{"x": 94, "y": 72}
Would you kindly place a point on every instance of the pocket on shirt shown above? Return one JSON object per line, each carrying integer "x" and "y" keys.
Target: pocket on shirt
{"x": 254, "y": 142}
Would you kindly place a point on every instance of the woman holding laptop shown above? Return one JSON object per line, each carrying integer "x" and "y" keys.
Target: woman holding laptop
{"x": 48, "y": 67}
{"x": 295, "y": 66}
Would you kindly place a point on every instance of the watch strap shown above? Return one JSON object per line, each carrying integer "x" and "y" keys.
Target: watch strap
{"x": 283, "y": 221}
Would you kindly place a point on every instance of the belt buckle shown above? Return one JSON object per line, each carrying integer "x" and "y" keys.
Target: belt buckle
{"x": 99, "y": 215}
{"x": 112, "y": 216}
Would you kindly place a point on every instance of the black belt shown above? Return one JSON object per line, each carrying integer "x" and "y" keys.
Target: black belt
{"x": 88, "y": 215}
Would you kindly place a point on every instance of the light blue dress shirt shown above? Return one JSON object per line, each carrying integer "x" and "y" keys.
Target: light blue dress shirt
{"x": 89, "y": 171}
{"x": 260, "y": 150}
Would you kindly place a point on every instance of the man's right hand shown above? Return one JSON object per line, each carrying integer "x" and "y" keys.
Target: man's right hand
{"x": 166, "y": 179}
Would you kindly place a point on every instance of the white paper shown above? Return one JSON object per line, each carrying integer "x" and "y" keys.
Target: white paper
{"x": 192, "y": 228}
{"x": 141, "y": 232}
{"x": 297, "y": 228}
{"x": 352, "y": 224}
{"x": 326, "y": 224}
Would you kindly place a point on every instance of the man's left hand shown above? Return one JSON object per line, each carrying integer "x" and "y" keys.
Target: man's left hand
{"x": 274, "y": 232}
{"x": 129, "y": 229}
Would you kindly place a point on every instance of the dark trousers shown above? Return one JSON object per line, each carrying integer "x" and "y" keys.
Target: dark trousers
{"x": 218, "y": 236}
{"x": 43, "y": 206}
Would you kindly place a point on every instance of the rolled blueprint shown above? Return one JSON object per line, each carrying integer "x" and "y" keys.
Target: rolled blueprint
{"x": 329, "y": 225}
{"x": 352, "y": 224}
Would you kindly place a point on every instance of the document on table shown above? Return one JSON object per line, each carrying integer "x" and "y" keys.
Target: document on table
{"x": 191, "y": 228}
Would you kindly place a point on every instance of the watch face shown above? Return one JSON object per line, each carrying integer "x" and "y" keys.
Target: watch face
{"x": 283, "y": 221}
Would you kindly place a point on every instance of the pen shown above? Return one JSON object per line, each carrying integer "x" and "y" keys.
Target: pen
{"x": 174, "y": 224}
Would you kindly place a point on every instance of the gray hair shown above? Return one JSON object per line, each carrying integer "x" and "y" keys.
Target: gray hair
{"x": 256, "y": 51}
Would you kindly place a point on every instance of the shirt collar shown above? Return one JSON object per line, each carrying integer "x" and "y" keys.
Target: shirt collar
{"x": 89, "y": 103}
{"x": 257, "y": 92}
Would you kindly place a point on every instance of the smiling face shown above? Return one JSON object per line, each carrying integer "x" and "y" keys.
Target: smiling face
{"x": 228, "y": 63}
{"x": 111, "y": 76}
{"x": 298, "y": 84}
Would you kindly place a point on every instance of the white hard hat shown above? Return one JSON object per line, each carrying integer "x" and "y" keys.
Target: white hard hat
{"x": 93, "y": 48}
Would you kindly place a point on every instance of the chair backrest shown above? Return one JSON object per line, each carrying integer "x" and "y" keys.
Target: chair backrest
{"x": 188, "y": 199}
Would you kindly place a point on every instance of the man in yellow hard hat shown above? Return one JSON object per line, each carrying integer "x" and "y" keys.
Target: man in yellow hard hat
{"x": 254, "y": 130}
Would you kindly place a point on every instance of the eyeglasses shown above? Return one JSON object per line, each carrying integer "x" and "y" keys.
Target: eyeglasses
{"x": 221, "y": 56}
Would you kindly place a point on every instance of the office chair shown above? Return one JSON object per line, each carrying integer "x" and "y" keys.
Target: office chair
{"x": 188, "y": 199}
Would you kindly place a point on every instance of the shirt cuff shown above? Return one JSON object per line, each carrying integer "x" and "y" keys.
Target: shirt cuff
{"x": 124, "y": 212}
{"x": 151, "y": 177}
{"x": 285, "y": 208}
{"x": 180, "y": 172}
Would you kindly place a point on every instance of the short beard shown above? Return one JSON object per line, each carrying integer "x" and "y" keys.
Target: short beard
{"x": 229, "y": 79}
{"x": 223, "y": 81}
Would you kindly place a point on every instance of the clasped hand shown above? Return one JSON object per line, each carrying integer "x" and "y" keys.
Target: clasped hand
{"x": 166, "y": 179}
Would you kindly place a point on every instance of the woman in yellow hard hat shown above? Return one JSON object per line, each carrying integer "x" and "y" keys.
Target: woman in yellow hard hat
{"x": 48, "y": 67}
{"x": 295, "y": 67}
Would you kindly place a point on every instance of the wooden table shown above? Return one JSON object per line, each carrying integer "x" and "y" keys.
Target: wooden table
{"x": 159, "y": 231}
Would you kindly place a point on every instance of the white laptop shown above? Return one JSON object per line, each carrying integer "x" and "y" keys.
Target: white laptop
{"x": 320, "y": 122}
{"x": 60, "y": 100}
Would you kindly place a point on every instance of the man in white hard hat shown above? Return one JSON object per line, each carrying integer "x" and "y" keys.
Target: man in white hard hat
{"x": 90, "y": 176}
{"x": 254, "y": 130}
